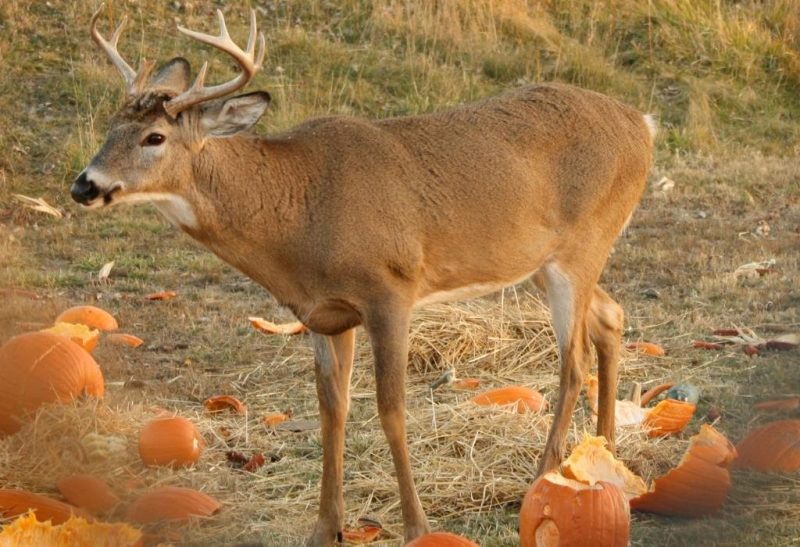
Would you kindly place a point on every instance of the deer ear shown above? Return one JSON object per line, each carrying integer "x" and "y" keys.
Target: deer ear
{"x": 230, "y": 116}
{"x": 173, "y": 76}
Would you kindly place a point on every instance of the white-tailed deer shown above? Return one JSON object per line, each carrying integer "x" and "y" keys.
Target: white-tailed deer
{"x": 354, "y": 222}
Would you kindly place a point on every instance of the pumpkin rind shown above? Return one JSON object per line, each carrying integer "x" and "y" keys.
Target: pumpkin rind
{"x": 698, "y": 485}
{"x": 669, "y": 416}
{"x": 524, "y": 398}
{"x": 172, "y": 503}
{"x": 75, "y": 532}
{"x": 562, "y": 512}
{"x": 38, "y": 368}
{"x": 219, "y": 403}
{"x": 172, "y": 441}
{"x": 441, "y": 539}
{"x": 82, "y": 335}
{"x": 18, "y": 502}
{"x": 91, "y": 316}
{"x": 772, "y": 447}
{"x": 88, "y": 492}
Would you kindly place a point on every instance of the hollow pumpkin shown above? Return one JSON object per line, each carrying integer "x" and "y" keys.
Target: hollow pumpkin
{"x": 523, "y": 398}
{"x": 668, "y": 417}
{"x": 772, "y": 447}
{"x": 75, "y": 532}
{"x": 38, "y": 368}
{"x": 698, "y": 485}
{"x": 558, "y": 511}
{"x": 82, "y": 335}
{"x": 14, "y": 503}
{"x": 441, "y": 539}
{"x": 591, "y": 462}
{"x": 171, "y": 503}
{"x": 170, "y": 441}
{"x": 91, "y": 316}
{"x": 88, "y": 492}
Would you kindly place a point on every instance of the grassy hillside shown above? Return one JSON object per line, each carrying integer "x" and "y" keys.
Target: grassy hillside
{"x": 722, "y": 76}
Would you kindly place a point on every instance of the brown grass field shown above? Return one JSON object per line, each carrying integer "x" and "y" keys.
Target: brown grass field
{"x": 722, "y": 76}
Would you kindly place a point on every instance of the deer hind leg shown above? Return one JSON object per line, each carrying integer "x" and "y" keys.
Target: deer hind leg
{"x": 388, "y": 327}
{"x": 333, "y": 360}
{"x": 605, "y": 322}
{"x": 569, "y": 301}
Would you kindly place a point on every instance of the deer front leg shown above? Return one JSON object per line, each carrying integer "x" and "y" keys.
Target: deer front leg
{"x": 333, "y": 360}
{"x": 388, "y": 332}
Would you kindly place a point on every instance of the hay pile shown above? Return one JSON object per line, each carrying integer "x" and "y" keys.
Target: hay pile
{"x": 467, "y": 459}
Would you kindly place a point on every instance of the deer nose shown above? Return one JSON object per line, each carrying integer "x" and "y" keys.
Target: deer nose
{"x": 84, "y": 190}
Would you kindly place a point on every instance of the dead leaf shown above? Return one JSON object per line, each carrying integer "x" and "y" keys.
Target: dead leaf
{"x": 162, "y": 295}
{"x": 40, "y": 205}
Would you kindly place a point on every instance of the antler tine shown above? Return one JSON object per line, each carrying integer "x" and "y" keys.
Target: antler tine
{"x": 248, "y": 61}
{"x": 110, "y": 49}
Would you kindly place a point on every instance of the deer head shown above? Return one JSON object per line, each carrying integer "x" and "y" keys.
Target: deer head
{"x": 164, "y": 123}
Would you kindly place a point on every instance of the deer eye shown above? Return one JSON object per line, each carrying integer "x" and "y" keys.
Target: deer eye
{"x": 154, "y": 139}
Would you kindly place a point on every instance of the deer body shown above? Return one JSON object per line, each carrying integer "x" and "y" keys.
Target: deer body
{"x": 353, "y": 222}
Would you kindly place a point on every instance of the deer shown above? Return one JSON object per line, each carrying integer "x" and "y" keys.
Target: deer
{"x": 352, "y": 222}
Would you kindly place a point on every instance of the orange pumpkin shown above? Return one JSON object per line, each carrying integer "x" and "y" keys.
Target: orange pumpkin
{"x": 171, "y": 441}
{"x": 698, "y": 485}
{"x": 441, "y": 539}
{"x": 654, "y": 392}
{"x": 75, "y": 532}
{"x": 772, "y": 447}
{"x": 647, "y": 348}
{"x": 78, "y": 333}
{"x": 591, "y": 462}
{"x": 172, "y": 503}
{"x": 224, "y": 402}
{"x": 88, "y": 492}
{"x": 275, "y": 419}
{"x": 38, "y": 368}
{"x": 524, "y": 399}
{"x": 18, "y": 502}
{"x": 364, "y": 534}
{"x": 669, "y": 416}
{"x": 467, "y": 384}
{"x": 91, "y": 316}
{"x": 558, "y": 511}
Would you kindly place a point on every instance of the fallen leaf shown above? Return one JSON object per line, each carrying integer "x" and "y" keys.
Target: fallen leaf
{"x": 268, "y": 327}
{"x": 162, "y": 295}
{"x": 122, "y": 339}
{"x": 40, "y": 205}
{"x": 647, "y": 348}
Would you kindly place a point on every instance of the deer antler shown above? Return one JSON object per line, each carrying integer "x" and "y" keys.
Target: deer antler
{"x": 247, "y": 60}
{"x": 131, "y": 80}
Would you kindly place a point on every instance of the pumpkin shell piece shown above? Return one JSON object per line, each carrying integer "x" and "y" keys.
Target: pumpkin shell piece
{"x": 772, "y": 447}
{"x": 91, "y": 316}
{"x": 171, "y": 441}
{"x": 268, "y": 327}
{"x": 591, "y": 462}
{"x": 562, "y": 512}
{"x": 441, "y": 539}
{"x": 172, "y": 503}
{"x": 698, "y": 485}
{"x": 122, "y": 339}
{"x": 78, "y": 333}
{"x": 668, "y": 417}
{"x": 75, "y": 532}
{"x": 88, "y": 492}
{"x": 40, "y": 367}
{"x": 14, "y": 503}
{"x": 220, "y": 403}
{"x": 524, "y": 399}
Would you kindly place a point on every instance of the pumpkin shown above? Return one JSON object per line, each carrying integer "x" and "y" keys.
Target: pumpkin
{"x": 40, "y": 367}
{"x": 121, "y": 339}
{"x": 364, "y": 534}
{"x": 698, "y": 485}
{"x": 171, "y": 503}
{"x": 647, "y": 348}
{"x": 224, "y": 402}
{"x": 171, "y": 441}
{"x": 78, "y": 333}
{"x": 18, "y": 502}
{"x": 668, "y": 417}
{"x": 467, "y": 384}
{"x": 275, "y": 419}
{"x": 90, "y": 316}
{"x": 524, "y": 399}
{"x": 772, "y": 447}
{"x": 75, "y": 532}
{"x": 268, "y": 327}
{"x": 88, "y": 492}
{"x": 558, "y": 511}
{"x": 441, "y": 539}
{"x": 591, "y": 462}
